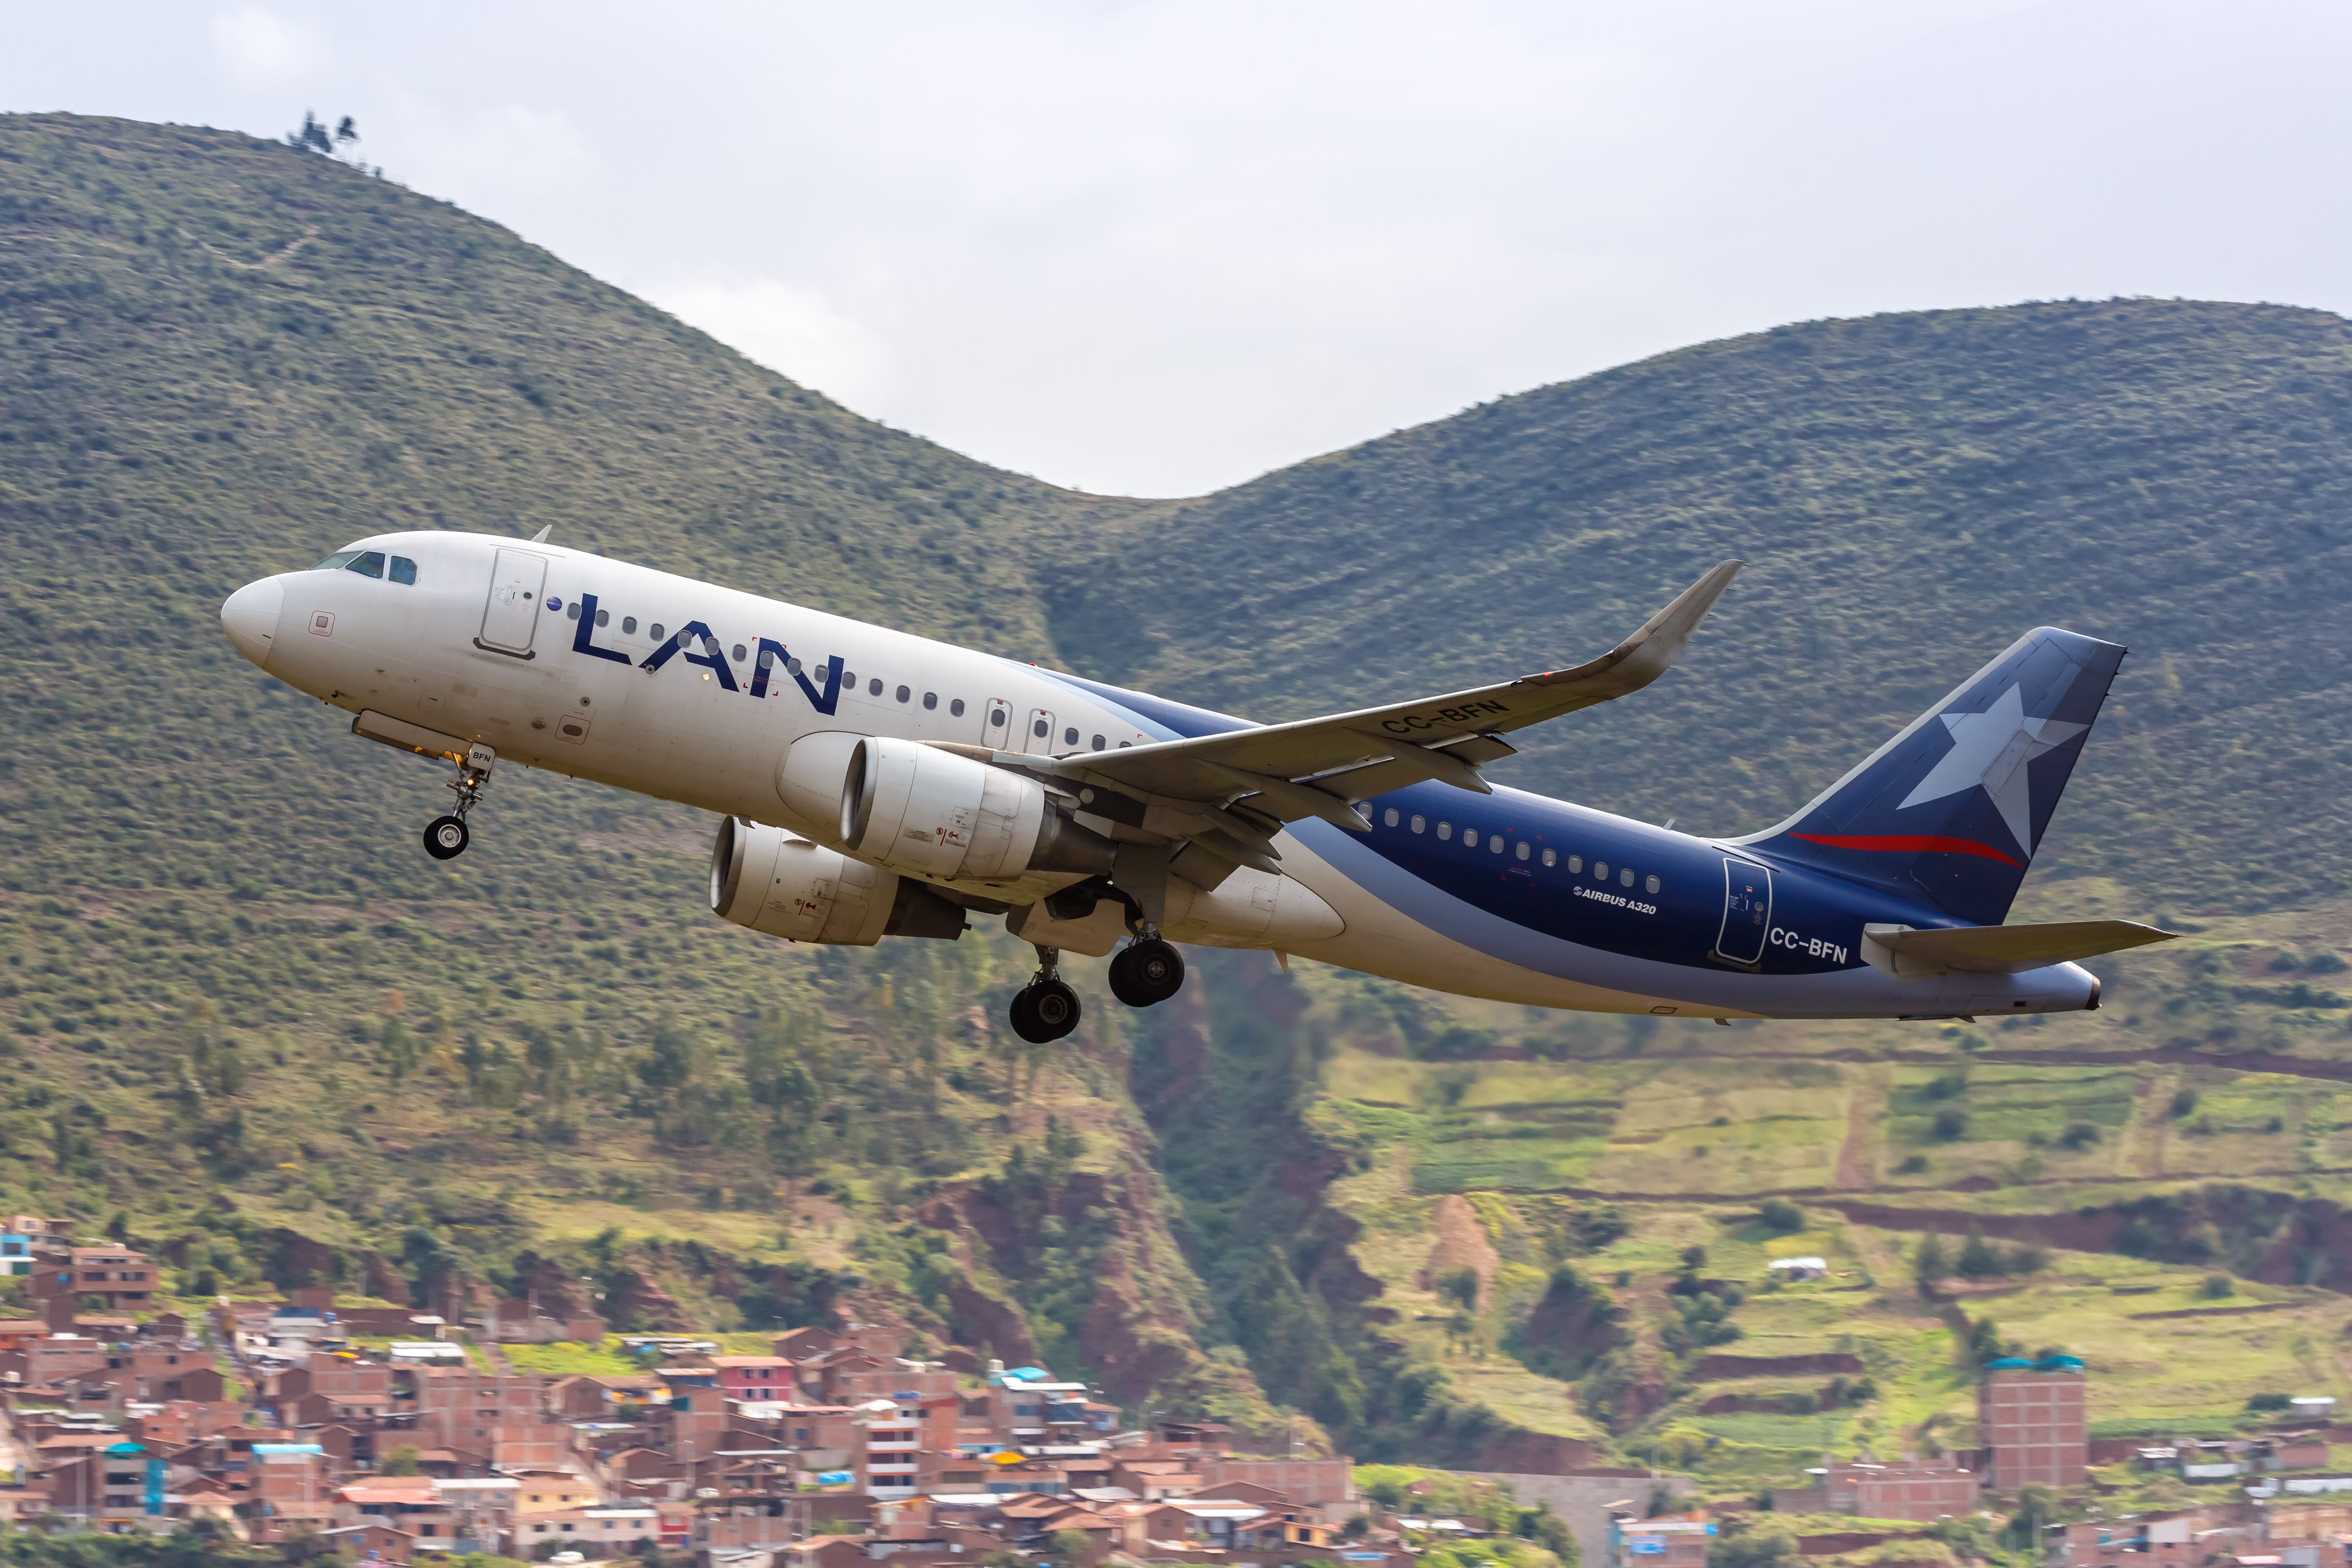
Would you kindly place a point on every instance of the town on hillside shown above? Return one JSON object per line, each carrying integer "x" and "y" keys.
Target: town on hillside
{"x": 390, "y": 1435}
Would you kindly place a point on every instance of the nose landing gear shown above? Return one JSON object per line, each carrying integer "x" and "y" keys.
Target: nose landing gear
{"x": 1044, "y": 1009}
{"x": 446, "y": 838}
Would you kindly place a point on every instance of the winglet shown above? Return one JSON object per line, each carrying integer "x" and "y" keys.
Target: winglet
{"x": 1646, "y": 655}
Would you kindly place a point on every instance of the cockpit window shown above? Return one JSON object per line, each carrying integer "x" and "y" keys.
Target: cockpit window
{"x": 337, "y": 561}
{"x": 404, "y": 570}
{"x": 367, "y": 563}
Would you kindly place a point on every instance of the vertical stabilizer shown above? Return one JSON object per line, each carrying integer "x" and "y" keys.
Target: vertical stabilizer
{"x": 1951, "y": 809}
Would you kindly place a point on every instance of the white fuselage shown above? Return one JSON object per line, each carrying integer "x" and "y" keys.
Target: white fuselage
{"x": 484, "y": 644}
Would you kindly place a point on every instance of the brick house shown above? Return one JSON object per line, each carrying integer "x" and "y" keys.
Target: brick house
{"x": 756, "y": 1377}
{"x": 2031, "y": 1418}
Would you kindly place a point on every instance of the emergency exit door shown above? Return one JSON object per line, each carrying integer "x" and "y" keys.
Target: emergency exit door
{"x": 512, "y": 614}
{"x": 1037, "y": 735}
{"x": 1746, "y": 911}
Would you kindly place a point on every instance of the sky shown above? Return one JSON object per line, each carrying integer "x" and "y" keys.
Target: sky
{"x": 1158, "y": 249}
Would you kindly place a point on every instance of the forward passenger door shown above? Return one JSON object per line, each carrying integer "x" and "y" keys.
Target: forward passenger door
{"x": 512, "y": 617}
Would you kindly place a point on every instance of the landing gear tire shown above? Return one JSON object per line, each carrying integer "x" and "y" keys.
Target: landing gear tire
{"x": 1043, "y": 1011}
{"x": 1145, "y": 973}
{"x": 446, "y": 838}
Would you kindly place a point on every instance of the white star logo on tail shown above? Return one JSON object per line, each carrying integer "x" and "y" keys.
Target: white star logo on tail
{"x": 1990, "y": 751}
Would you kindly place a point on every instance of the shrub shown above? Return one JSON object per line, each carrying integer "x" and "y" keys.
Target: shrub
{"x": 1781, "y": 1216}
{"x": 2218, "y": 1286}
{"x": 2183, "y": 1103}
{"x": 2078, "y": 1135}
{"x": 1951, "y": 1124}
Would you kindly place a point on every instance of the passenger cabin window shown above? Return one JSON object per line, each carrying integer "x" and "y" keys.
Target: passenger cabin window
{"x": 848, "y": 681}
{"x": 1470, "y": 837}
{"x": 604, "y": 617}
{"x": 1523, "y": 851}
{"x": 930, "y": 699}
{"x": 1601, "y": 871}
{"x": 572, "y": 611}
{"x": 1494, "y": 844}
{"x": 955, "y": 707}
{"x": 1388, "y": 817}
{"x": 1551, "y": 857}
{"x": 1419, "y": 823}
{"x": 1625, "y": 877}
{"x": 367, "y": 563}
{"x": 1099, "y": 742}
{"x": 741, "y": 653}
{"x": 656, "y": 632}
{"x": 404, "y": 570}
{"x": 904, "y": 693}
{"x": 629, "y": 625}
{"x": 1070, "y": 737}
{"x": 1576, "y": 862}
{"x": 874, "y": 686}
{"x": 1650, "y": 884}
{"x": 1445, "y": 830}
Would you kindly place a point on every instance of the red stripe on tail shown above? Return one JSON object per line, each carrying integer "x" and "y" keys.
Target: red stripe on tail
{"x": 1911, "y": 841}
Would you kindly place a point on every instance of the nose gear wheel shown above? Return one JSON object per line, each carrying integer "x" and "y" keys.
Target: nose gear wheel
{"x": 446, "y": 838}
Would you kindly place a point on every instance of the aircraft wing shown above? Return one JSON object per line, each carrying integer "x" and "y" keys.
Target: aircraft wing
{"x": 1246, "y": 782}
{"x": 2001, "y": 950}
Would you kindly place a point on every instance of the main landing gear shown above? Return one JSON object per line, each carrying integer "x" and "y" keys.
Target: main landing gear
{"x": 1146, "y": 970}
{"x": 446, "y": 838}
{"x": 1045, "y": 1009}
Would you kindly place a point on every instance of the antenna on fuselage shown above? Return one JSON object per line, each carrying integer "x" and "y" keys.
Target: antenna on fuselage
{"x": 541, "y": 537}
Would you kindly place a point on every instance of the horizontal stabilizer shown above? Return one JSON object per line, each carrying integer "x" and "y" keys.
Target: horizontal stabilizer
{"x": 1909, "y": 955}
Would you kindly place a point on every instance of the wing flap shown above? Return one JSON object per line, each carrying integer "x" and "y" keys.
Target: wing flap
{"x": 1910, "y": 955}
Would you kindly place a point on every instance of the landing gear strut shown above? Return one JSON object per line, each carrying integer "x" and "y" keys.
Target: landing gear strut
{"x": 446, "y": 838}
{"x": 1044, "y": 1009}
{"x": 1147, "y": 970}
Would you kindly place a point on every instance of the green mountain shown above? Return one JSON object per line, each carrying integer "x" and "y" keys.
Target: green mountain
{"x": 249, "y": 1021}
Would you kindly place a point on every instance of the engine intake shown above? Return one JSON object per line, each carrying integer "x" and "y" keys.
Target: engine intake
{"x": 918, "y": 809}
{"x": 780, "y": 883}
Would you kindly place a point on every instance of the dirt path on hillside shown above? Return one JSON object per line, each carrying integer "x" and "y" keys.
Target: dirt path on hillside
{"x": 2238, "y": 1061}
{"x": 1867, "y": 1092}
{"x": 1836, "y": 1197}
{"x": 2143, "y": 1156}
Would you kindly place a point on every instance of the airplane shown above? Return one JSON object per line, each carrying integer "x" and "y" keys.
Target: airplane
{"x": 869, "y": 782}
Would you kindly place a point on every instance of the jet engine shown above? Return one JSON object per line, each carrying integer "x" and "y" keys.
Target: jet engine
{"x": 780, "y": 883}
{"x": 936, "y": 814}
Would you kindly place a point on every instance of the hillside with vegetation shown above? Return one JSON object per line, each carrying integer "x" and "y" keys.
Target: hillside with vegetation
{"x": 250, "y": 1026}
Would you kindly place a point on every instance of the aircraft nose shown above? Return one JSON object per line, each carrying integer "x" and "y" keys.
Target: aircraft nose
{"x": 250, "y": 617}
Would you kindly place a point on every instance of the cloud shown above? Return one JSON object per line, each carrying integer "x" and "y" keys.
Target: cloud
{"x": 793, "y": 330}
{"x": 257, "y": 49}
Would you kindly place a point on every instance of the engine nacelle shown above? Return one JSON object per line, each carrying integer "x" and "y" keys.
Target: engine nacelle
{"x": 918, "y": 809}
{"x": 780, "y": 883}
